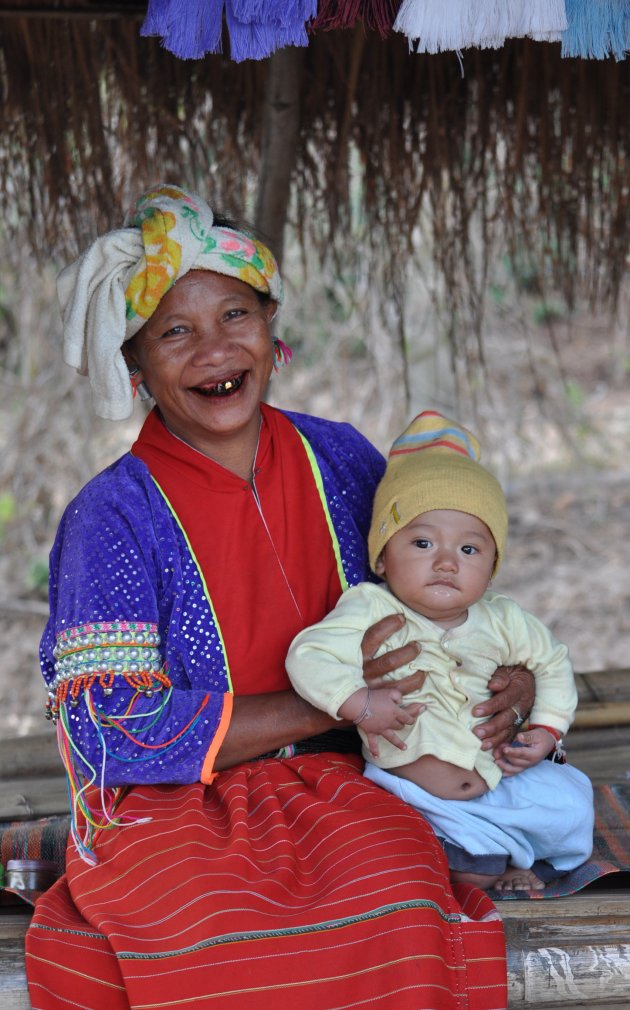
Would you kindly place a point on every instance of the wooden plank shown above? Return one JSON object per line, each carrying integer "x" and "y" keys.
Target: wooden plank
{"x": 603, "y": 713}
{"x": 30, "y": 756}
{"x": 584, "y": 905}
{"x": 603, "y": 685}
{"x": 568, "y": 952}
{"x": 605, "y": 766}
{"x": 13, "y": 991}
{"x": 27, "y": 799}
{"x": 592, "y": 739}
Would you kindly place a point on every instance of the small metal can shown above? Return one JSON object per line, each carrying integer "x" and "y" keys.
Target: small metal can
{"x": 30, "y": 874}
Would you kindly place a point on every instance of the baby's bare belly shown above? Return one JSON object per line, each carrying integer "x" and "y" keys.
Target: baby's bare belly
{"x": 440, "y": 778}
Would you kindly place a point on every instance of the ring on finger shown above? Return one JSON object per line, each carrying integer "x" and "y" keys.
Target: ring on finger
{"x": 518, "y": 718}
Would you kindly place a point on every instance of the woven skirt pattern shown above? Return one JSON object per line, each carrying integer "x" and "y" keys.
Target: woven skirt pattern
{"x": 285, "y": 880}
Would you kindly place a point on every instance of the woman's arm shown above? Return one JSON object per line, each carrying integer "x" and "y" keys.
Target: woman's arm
{"x": 266, "y": 722}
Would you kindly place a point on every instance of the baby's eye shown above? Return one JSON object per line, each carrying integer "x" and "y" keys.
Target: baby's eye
{"x": 469, "y": 549}
{"x": 422, "y": 543}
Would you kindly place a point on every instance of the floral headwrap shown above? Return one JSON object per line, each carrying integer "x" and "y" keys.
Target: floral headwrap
{"x": 108, "y": 294}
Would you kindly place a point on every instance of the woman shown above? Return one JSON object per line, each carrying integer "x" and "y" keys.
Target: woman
{"x": 179, "y": 576}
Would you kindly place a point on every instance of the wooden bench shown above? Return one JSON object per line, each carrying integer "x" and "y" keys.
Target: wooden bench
{"x": 561, "y": 953}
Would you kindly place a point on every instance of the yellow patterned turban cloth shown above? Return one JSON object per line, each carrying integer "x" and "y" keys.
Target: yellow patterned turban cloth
{"x": 108, "y": 294}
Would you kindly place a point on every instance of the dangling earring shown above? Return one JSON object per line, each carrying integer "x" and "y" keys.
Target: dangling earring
{"x": 282, "y": 354}
{"x": 138, "y": 386}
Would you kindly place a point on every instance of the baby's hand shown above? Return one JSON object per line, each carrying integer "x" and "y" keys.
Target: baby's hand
{"x": 529, "y": 748}
{"x": 379, "y": 712}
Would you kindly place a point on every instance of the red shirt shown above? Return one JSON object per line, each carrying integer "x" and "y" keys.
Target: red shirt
{"x": 272, "y": 537}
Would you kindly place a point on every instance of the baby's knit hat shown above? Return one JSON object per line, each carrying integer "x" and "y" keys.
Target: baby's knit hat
{"x": 434, "y": 465}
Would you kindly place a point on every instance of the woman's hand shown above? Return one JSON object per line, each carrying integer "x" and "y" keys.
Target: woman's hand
{"x": 374, "y": 669}
{"x": 512, "y": 700}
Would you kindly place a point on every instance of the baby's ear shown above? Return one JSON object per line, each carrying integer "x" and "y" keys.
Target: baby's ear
{"x": 379, "y": 567}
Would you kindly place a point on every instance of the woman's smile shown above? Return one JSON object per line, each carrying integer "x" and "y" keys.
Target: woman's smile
{"x": 222, "y": 387}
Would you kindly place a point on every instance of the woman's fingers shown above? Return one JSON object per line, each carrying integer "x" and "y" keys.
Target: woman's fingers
{"x": 505, "y": 707}
{"x": 379, "y": 633}
{"x": 375, "y": 670}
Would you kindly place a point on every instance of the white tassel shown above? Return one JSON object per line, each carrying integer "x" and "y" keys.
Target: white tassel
{"x": 447, "y": 25}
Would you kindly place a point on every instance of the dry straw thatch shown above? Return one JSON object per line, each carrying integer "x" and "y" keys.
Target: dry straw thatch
{"x": 521, "y": 151}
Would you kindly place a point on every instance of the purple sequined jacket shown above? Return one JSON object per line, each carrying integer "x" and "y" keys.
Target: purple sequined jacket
{"x": 126, "y": 597}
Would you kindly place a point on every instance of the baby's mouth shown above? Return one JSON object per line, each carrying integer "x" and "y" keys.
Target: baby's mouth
{"x": 223, "y": 388}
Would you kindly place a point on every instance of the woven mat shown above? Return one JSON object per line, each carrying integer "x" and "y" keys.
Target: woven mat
{"x": 611, "y": 847}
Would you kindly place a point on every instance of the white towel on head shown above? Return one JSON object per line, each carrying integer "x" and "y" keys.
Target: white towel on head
{"x": 109, "y": 292}
{"x": 93, "y": 306}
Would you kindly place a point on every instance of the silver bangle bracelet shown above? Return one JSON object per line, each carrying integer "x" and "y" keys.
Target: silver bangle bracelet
{"x": 366, "y": 713}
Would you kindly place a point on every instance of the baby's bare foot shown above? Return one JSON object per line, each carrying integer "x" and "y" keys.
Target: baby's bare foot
{"x": 515, "y": 879}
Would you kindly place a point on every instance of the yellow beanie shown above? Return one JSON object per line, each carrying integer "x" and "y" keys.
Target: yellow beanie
{"x": 434, "y": 465}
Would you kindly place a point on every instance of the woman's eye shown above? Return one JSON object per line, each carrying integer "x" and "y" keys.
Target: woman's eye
{"x": 469, "y": 549}
{"x": 174, "y": 331}
{"x": 422, "y": 543}
{"x": 234, "y": 313}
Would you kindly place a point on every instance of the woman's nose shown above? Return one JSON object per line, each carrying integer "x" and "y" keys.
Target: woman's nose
{"x": 210, "y": 345}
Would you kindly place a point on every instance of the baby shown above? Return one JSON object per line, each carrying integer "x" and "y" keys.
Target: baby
{"x": 438, "y": 534}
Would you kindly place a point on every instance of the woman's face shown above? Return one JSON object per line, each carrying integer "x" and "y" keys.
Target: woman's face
{"x": 206, "y": 355}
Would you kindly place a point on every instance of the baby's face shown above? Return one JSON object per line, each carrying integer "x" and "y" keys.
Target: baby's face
{"x": 439, "y": 564}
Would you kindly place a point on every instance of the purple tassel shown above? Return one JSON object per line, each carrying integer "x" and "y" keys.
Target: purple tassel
{"x": 188, "y": 28}
{"x": 258, "y": 27}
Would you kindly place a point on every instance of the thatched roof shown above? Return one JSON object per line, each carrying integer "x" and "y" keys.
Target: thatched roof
{"x": 518, "y": 149}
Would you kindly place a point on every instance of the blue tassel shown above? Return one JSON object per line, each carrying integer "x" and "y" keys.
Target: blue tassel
{"x": 597, "y": 29}
{"x": 258, "y": 27}
{"x": 282, "y": 13}
{"x": 188, "y": 28}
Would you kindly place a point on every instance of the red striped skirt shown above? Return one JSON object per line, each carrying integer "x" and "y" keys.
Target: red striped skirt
{"x": 293, "y": 878}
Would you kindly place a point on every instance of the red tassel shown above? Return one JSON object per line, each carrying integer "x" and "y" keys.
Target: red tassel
{"x": 375, "y": 14}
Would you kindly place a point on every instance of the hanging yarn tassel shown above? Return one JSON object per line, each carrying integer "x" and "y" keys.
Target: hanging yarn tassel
{"x": 258, "y": 27}
{"x": 597, "y": 29}
{"x": 282, "y": 354}
{"x": 188, "y": 28}
{"x": 450, "y": 25}
{"x": 375, "y": 14}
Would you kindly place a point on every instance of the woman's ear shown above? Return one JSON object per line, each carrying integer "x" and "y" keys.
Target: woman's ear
{"x": 130, "y": 361}
{"x": 271, "y": 310}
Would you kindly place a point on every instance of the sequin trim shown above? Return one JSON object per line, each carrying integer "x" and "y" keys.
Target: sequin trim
{"x": 101, "y": 651}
